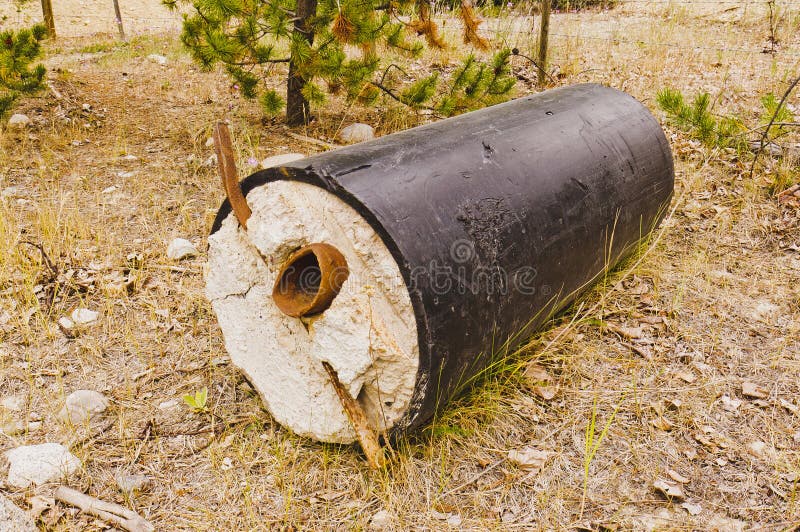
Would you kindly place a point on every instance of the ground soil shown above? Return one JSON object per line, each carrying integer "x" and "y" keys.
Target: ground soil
{"x": 683, "y": 366}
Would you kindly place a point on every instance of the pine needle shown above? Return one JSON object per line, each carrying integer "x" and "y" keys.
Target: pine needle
{"x": 471, "y": 23}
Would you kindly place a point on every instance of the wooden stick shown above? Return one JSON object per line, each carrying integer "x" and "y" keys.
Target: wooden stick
{"x": 366, "y": 436}
{"x": 119, "y": 20}
{"x": 543, "y": 43}
{"x": 107, "y": 511}
{"x": 227, "y": 169}
{"x": 312, "y": 140}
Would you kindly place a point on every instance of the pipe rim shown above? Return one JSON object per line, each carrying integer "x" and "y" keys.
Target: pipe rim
{"x": 309, "y": 280}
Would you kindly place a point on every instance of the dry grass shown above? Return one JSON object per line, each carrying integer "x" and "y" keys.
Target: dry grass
{"x": 698, "y": 295}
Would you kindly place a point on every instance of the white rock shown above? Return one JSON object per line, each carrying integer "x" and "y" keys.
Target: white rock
{"x": 157, "y": 58}
{"x": 18, "y": 121}
{"x": 15, "y": 403}
{"x": 38, "y": 464}
{"x": 180, "y": 248}
{"x": 454, "y": 520}
{"x": 84, "y": 316}
{"x": 14, "y": 518}
{"x": 130, "y": 483}
{"x": 168, "y": 405}
{"x": 279, "y": 160}
{"x": 211, "y": 161}
{"x": 529, "y": 458}
{"x": 381, "y": 520}
{"x": 12, "y": 428}
{"x": 356, "y": 133}
{"x": 765, "y": 311}
{"x": 66, "y": 323}
{"x": 82, "y": 406}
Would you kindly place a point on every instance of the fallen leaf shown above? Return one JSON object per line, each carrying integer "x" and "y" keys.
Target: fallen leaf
{"x": 652, "y": 320}
{"x": 757, "y": 448}
{"x": 791, "y": 407}
{"x": 692, "y": 508}
{"x": 731, "y": 405}
{"x": 671, "y": 490}
{"x": 662, "y": 423}
{"x": 39, "y": 505}
{"x": 541, "y": 381}
{"x": 687, "y": 376}
{"x": 528, "y": 458}
{"x": 677, "y": 477}
{"x": 751, "y": 389}
{"x": 626, "y": 332}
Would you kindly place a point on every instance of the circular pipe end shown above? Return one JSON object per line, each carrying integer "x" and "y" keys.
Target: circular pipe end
{"x": 309, "y": 280}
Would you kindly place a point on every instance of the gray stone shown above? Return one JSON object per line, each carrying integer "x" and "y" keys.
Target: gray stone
{"x": 84, "y": 316}
{"x": 381, "y": 520}
{"x": 180, "y": 248}
{"x": 356, "y": 133}
{"x": 158, "y": 58}
{"x": 14, "y": 403}
{"x": 82, "y": 406}
{"x": 13, "y": 518}
{"x": 38, "y": 464}
{"x": 19, "y": 121}
{"x": 130, "y": 483}
{"x": 279, "y": 160}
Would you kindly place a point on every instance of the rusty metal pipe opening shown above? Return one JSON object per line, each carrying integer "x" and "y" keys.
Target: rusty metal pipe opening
{"x": 309, "y": 280}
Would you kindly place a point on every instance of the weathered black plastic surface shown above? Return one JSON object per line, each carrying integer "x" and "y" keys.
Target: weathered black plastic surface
{"x": 544, "y": 191}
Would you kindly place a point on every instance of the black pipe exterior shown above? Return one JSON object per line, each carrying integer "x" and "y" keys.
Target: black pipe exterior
{"x": 499, "y": 217}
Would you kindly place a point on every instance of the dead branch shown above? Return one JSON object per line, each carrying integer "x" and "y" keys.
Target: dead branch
{"x": 761, "y": 144}
{"x": 107, "y": 511}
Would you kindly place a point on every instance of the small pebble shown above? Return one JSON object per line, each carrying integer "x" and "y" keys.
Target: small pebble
{"x": 180, "y": 249}
{"x": 83, "y": 405}
{"x": 157, "y": 58}
{"x": 131, "y": 483}
{"x": 356, "y": 133}
{"x": 19, "y": 121}
{"x": 84, "y": 316}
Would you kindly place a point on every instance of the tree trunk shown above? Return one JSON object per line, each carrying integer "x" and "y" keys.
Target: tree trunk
{"x": 297, "y": 108}
{"x": 47, "y": 13}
